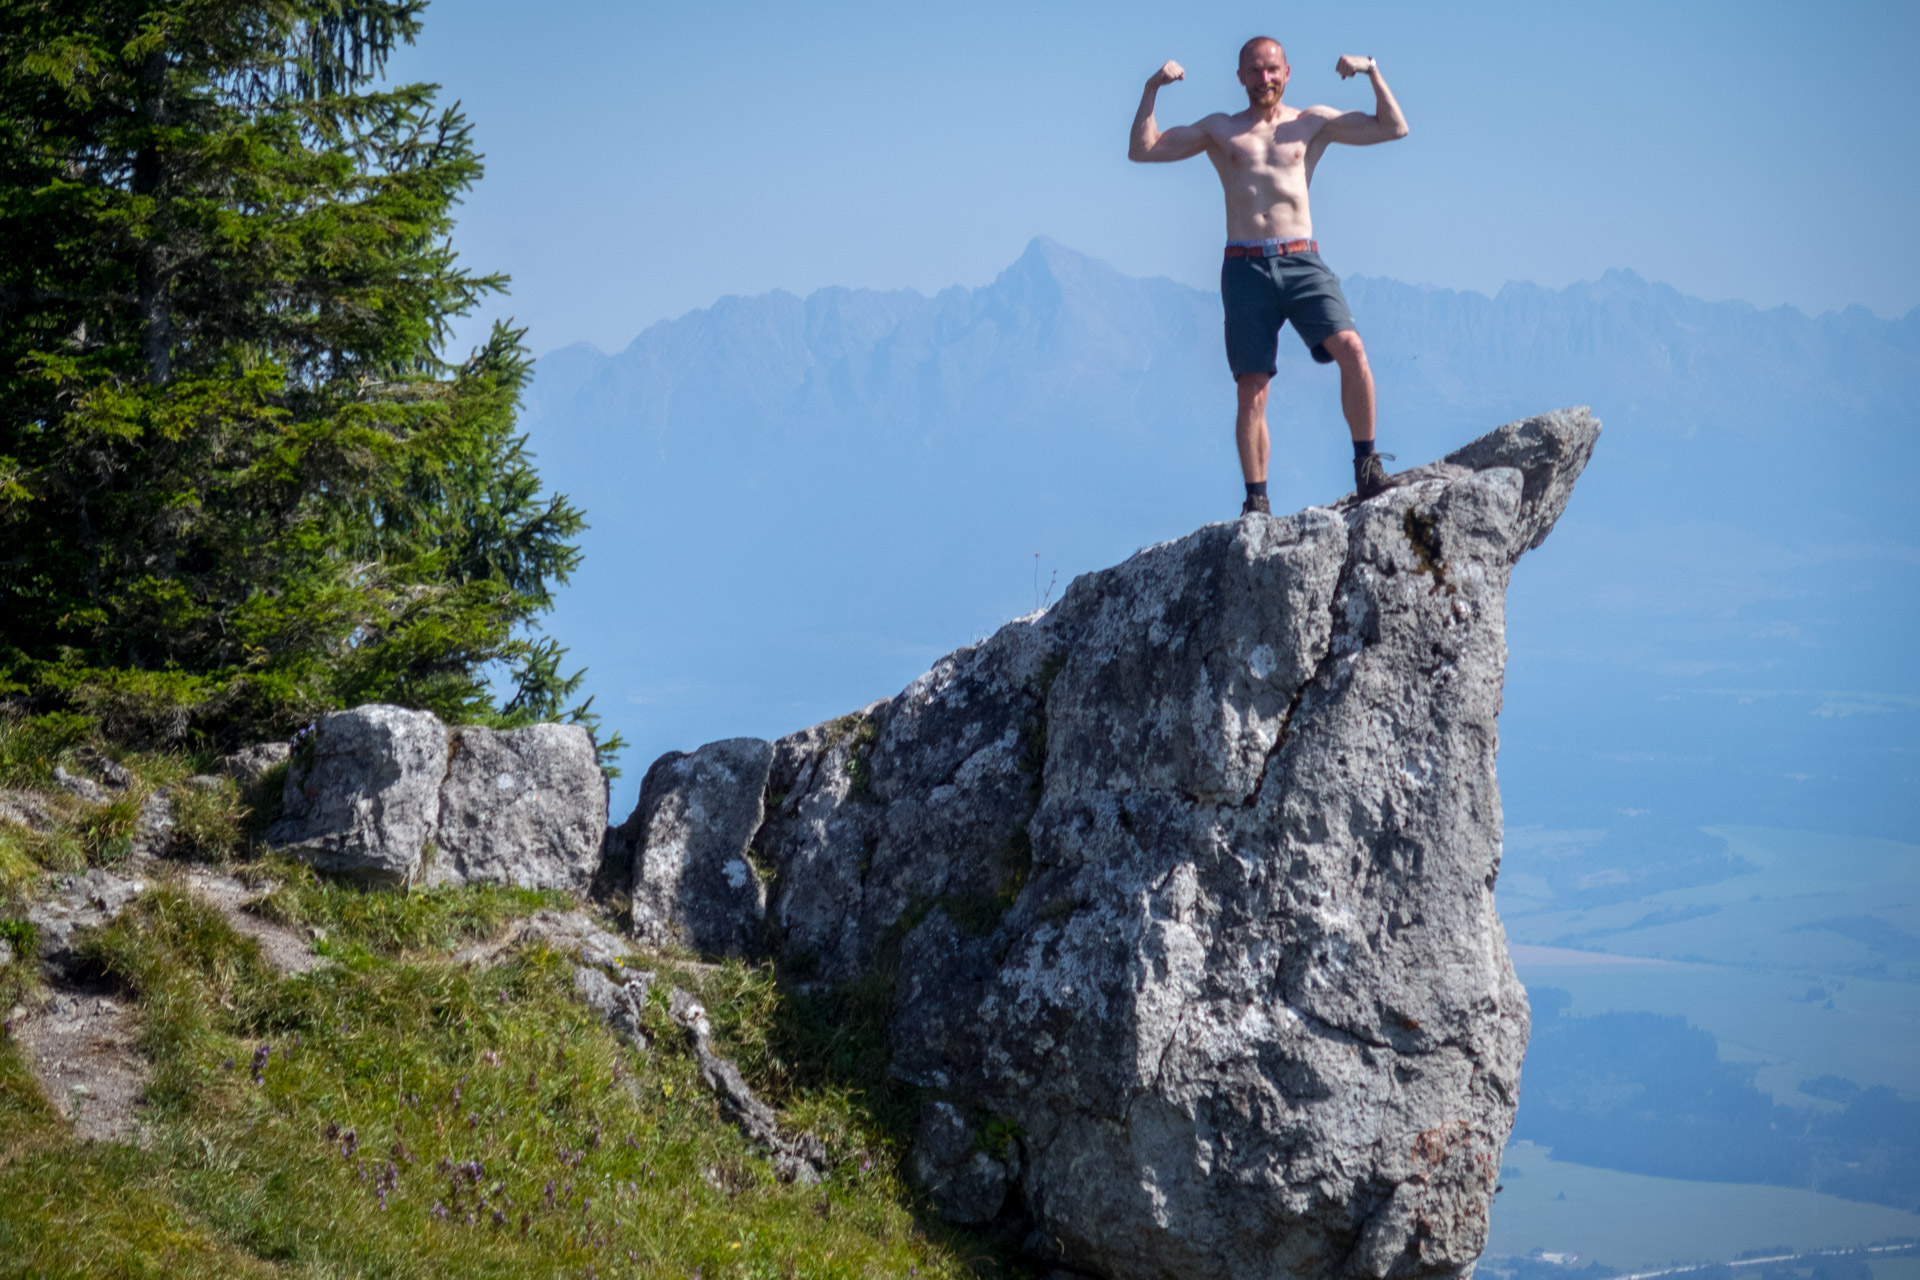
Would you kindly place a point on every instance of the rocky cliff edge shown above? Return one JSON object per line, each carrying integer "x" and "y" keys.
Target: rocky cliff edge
{"x": 1185, "y": 885}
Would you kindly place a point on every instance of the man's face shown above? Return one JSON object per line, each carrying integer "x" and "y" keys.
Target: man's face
{"x": 1264, "y": 72}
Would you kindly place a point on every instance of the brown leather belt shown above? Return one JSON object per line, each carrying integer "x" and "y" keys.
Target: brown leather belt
{"x": 1280, "y": 250}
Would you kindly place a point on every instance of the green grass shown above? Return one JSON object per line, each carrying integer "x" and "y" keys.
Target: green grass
{"x": 395, "y": 1115}
{"x": 68, "y": 1209}
{"x": 30, "y": 746}
{"x": 423, "y": 922}
{"x": 414, "y": 1118}
{"x": 210, "y": 823}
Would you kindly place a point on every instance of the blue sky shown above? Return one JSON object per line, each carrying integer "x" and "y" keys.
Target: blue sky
{"x": 645, "y": 159}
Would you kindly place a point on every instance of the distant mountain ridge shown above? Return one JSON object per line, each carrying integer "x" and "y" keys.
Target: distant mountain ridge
{"x": 1058, "y": 326}
{"x": 797, "y": 502}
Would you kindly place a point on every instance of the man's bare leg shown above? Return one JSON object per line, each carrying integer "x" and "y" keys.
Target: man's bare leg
{"x": 1370, "y": 478}
{"x": 1356, "y": 382}
{"x": 1250, "y": 427}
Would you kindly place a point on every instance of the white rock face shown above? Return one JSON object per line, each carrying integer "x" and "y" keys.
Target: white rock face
{"x": 390, "y": 796}
{"x": 366, "y": 800}
{"x": 1195, "y": 874}
{"x": 525, "y": 807}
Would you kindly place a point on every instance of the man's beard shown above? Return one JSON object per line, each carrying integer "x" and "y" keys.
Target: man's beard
{"x": 1264, "y": 98}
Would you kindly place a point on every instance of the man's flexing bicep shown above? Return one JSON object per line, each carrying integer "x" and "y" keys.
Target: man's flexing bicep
{"x": 1148, "y": 142}
{"x": 1182, "y": 142}
{"x": 1355, "y": 128}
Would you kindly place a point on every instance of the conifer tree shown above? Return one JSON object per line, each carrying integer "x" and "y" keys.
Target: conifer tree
{"x": 238, "y": 481}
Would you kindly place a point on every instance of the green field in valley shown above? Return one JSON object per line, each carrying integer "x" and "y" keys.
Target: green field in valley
{"x": 1762, "y": 960}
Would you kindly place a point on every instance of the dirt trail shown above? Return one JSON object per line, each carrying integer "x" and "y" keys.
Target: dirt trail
{"x": 82, "y": 1046}
{"x": 289, "y": 951}
{"x": 82, "y": 1040}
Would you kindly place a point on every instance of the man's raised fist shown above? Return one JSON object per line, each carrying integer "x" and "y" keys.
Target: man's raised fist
{"x": 1168, "y": 74}
{"x": 1353, "y": 65}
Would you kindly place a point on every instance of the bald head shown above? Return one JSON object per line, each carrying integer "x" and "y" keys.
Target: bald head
{"x": 1263, "y": 72}
{"x": 1260, "y": 44}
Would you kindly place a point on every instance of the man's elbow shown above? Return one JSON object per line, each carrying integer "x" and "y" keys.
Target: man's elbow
{"x": 1398, "y": 130}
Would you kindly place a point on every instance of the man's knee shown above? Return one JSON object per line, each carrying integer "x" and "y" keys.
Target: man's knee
{"x": 1345, "y": 347}
{"x": 1253, "y": 384}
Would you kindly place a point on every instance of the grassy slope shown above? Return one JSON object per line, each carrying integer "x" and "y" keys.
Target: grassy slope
{"x": 413, "y": 1118}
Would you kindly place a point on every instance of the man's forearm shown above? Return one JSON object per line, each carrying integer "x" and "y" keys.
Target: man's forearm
{"x": 1385, "y": 109}
{"x": 1145, "y": 131}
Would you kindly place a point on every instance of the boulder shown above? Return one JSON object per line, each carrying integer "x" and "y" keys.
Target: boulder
{"x": 363, "y": 799}
{"x": 1188, "y": 883}
{"x": 390, "y": 796}
{"x": 525, "y": 807}
{"x": 694, "y": 884}
{"x": 85, "y": 788}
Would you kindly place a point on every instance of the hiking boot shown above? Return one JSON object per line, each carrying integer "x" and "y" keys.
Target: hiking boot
{"x": 1256, "y": 502}
{"x": 1370, "y": 478}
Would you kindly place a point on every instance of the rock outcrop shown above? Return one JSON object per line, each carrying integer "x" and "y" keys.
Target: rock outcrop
{"x": 389, "y": 796}
{"x": 525, "y": 807}
{"x": 694, "y": 882}
{"x": 1186, "y": 886}
{"x": 364, "y": 798}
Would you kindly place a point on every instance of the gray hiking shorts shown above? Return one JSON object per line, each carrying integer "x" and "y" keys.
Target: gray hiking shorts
{"x": 1263, "y": 293}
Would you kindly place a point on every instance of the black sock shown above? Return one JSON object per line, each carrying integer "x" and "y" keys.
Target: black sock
{"x": 1256, "y": 489}
{"x": 1361, "y": 448}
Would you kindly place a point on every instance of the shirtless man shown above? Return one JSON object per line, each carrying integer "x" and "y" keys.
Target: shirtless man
{"x": 1265, "y": 156}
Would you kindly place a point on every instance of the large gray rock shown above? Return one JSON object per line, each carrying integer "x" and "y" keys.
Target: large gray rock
{"x": 390, "y": 796}
{"x": 694, "y": 884}
{"x": 1186, "y": 885}
{"x": 525, "y": 807}
{"x": 364, "y": 799}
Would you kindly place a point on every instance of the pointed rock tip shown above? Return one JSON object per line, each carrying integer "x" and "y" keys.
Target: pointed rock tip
{"x": 1549, "y": 450}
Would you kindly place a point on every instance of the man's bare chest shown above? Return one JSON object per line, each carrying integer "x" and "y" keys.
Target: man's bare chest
{"x": 1279, "y": 150}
